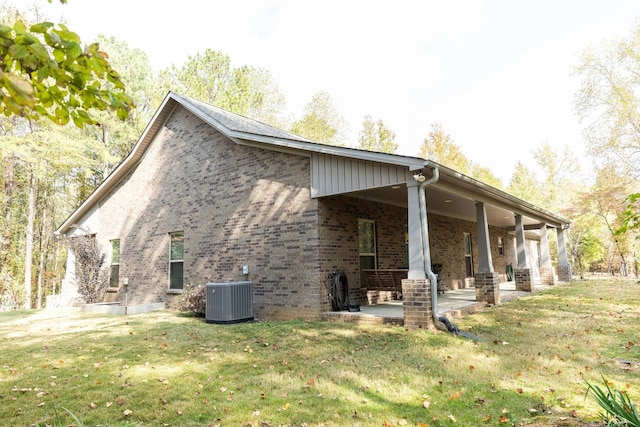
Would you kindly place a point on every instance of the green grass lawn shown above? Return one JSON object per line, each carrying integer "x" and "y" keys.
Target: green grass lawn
{"x": 168, "y": 369}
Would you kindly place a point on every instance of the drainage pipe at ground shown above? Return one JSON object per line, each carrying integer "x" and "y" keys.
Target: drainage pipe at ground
{"x": 426, "y": 251}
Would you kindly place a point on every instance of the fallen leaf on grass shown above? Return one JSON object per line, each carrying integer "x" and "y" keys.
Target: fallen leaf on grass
{"x": 127, "y": 412}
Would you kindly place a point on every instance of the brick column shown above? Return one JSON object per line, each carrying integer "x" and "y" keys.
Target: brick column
{"x": 564, "y": 273}
{"x": 524, "y": 279}
{"x": 416, "y": 301}
{"x": 547, "y": 276}
{"x": 487, "y": 287}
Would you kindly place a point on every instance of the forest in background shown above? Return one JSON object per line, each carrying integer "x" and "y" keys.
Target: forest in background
{"x": 47, "y": 169}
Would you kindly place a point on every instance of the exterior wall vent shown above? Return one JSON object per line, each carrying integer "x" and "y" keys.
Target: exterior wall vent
{"x": 230, "y": 302}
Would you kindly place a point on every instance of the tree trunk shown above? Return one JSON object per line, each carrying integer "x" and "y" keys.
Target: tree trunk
{"x": 31, "y": 219}
{"x": 43, "y": 241}
{"x": 5, "y": 234}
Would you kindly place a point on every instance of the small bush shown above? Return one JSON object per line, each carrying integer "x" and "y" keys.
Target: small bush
{"x": 194, "y": 299}
{"x": 618, "y": 407}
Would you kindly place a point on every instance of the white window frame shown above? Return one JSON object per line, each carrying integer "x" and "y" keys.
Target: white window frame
{"x": 115, "y": 263}
{"x": 173, "y": 262}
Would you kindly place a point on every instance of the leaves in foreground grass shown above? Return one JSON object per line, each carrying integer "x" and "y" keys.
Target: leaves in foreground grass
{"x": 619, "y": 410}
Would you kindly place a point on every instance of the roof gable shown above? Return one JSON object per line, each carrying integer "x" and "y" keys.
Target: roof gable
{"x": 245, "y": 131}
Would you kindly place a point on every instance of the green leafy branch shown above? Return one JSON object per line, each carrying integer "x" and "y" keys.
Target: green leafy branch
{"x": 631, "y": 215}
{"x": 45, "y": 72}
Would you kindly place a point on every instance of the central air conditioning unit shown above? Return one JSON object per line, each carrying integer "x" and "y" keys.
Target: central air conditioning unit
{"x": 230, "y": 302}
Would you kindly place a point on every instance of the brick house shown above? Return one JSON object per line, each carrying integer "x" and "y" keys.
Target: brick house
{"x": 210, "y": 196}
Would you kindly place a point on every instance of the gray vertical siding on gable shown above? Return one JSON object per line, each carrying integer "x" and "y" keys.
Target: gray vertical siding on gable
{"x": 332, "y": 175}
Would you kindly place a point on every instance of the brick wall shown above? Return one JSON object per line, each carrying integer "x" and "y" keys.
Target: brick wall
{"x": 446, "y": 236}
{"x": 236, "y": 205}
{"x": 241, "y": 205}
{"x": 339, "y": 241}
{"x": 339, "y": 245}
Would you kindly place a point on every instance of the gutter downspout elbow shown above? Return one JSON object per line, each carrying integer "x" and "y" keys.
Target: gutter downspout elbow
{"x": 426, "y": 251}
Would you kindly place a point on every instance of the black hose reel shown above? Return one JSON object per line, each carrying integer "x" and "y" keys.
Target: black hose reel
{"x": 338, "y": 287}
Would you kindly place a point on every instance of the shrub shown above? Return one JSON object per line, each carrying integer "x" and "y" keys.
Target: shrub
{"x": 618, "y": 407}
{"x": 91, "y": 277}
{"x": 194, "y": 299}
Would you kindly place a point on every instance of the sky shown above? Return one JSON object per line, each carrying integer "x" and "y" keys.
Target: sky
{"x": 498, "y": 75}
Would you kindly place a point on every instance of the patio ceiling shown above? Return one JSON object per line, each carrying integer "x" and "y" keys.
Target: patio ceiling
{"x": 456, "y": 196}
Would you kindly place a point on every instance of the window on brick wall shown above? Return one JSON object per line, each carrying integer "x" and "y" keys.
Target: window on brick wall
{"x": 500, "y": 246}
{"x": 176, "y": 260}
{"x": 114, "y": 274}
{"x": 468, "y": 255}
{"x": 367, "y": 239}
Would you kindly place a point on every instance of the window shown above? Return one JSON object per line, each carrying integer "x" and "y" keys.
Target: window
{"x": 367, "y": 240}
{"x": 176, "y": 260}
{"x": 114, "y": 277}
{"x": 468, "y": 254}
{"x": 500, "y": 246}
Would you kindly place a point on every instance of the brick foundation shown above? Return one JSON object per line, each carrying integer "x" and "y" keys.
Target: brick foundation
{"x": 524, "y": 279}
{"x": 416, "y": 295}
{"x": 564, "y": 273}
{"x": 488, "y": 287}
{"x": 547, "y": 276}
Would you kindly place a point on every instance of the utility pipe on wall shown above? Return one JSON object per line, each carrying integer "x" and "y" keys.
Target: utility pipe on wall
{"x": 426, "y": 251}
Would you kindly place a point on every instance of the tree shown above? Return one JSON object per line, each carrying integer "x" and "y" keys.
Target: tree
{"x": 321, "y": 122}
{"x": 440, "y": 147}
{"x": 608, "y": 101}
{"x": 209, "y": 77}
{"x": 561, "y": 176}
{"x": 45, "y": 72}
{"x": 113, "y": 139}
{"x": 375, "y": 136}
{"x": 524, "y": 185}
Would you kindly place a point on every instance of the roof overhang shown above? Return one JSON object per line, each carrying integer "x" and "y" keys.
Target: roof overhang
{"x": 247, "y": 132}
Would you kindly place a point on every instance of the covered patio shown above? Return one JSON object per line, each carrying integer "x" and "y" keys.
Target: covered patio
{"x": 479, "y": 236}
{"x": 452, "y": 304}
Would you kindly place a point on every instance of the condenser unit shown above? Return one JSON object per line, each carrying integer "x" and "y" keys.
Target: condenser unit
{"x": 230, "y": 302}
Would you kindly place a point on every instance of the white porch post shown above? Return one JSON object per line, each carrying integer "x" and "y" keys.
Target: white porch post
{"x": 416, "y": 260}
{"x": 487, "y": 281}
{"x": 416, "y": 289}
{"x": 547, "y": 274}
{"x": 521, "y": 254}
{"x": 564, "y": 270}
{"x": 523, "y": 274}
{"x": 485, "y": 262}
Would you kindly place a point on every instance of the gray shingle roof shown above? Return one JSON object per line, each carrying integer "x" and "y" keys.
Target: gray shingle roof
{"x": 238, "y": 123}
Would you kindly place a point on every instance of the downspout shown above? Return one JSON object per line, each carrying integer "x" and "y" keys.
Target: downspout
{"x": 426, "y": 251}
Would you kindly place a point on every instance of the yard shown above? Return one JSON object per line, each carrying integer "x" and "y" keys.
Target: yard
{"x": 170, "y": 369}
